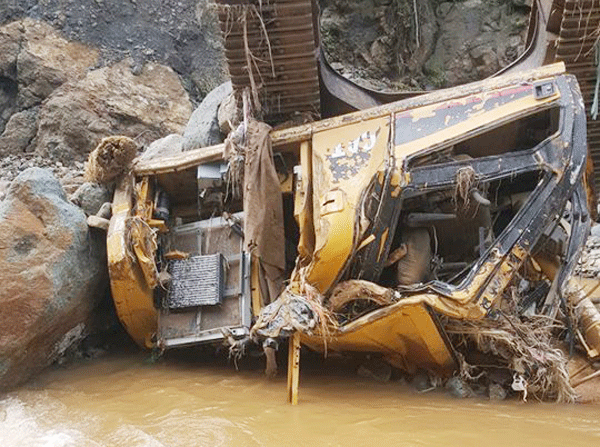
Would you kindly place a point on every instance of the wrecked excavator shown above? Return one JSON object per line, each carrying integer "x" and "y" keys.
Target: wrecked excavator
{"x": 410, "y": 231}
{"x": 437, "y": 233}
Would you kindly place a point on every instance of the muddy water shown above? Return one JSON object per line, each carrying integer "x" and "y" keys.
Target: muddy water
{"x": 123, "y": 400}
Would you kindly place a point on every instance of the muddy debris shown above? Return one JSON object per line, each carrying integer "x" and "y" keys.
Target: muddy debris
{"x": 110, "y": 160}
{"x": 588, "y": 265}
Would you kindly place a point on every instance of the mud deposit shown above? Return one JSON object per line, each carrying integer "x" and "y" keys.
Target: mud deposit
{"x": 123, "y": 400}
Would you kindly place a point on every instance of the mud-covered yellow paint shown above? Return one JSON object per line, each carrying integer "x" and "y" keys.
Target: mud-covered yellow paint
{"x": 343, "y": 164}
{"x": 480, "y": 120}
{"x": 407, "y": 337}
{"x": 303, "y": 203}
{"x": 339, "y": 158}
{"x": 405, "y": 332}
{"x": 132, "y": 297}
{"x": 293, "y": 368}
{"x": 256, "y": 295}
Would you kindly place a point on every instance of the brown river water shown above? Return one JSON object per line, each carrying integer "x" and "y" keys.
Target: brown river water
{"x": 125, "y": 400}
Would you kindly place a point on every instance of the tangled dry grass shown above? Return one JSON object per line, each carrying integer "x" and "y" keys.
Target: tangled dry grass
{"x": 526, "y": 346}
{"x": 111, "y": 159}
{"x": 141, "y": 242}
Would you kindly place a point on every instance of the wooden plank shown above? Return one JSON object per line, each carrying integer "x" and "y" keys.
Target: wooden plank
{"x": 293, "y": 376}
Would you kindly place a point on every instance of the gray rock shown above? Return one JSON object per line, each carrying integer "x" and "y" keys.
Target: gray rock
{"x": 203, "y": 127}
{"x": 53, "y": 275}
{"x": 228, "y": 114}
{"x": 164, "y": 147}
{"x": 496, "y": 392}
{"x": 10, "y": 45}
{"x": 375, "y": 369}
{"x": 527, "y": 3}
{"x": 8, "y": 101}
{"x": 90, "y": 197}
{"x": 98, "y": 222}
{"x": 443, "y": 9}
{"x": 105, "y": 210}
{"x": 458, "y": 388}
{"x": 19, "y": 132}
{"x": 422, "y": 382}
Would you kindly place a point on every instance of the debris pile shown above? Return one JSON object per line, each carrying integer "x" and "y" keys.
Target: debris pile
{"x": 589, "y": 262}
{"x": 70, "y": 177}
{"x": 527, "y": 347}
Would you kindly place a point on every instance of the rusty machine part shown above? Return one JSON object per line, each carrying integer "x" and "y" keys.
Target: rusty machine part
{"x": 276, "y": 38}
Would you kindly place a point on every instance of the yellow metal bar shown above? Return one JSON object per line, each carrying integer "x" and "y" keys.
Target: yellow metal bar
{"x": 304, "y": 132}
{"x": 339, "y": 180}
{"x": 293, "y": 368}
{"x": 303, "y": 203}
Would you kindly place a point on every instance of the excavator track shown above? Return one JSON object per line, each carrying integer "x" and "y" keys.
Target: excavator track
{"x": 579, "y": 30}
{"x": 277, "y": 39}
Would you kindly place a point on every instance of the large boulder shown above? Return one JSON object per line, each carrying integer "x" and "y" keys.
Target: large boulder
{"x": 46, "y": 60}
{"x": 53, "y": 275}
{"x": 112, "y": 101}
{"x": 19, "y": 132}
{"x": 90, "y": 197}
{"x": 203, "y": 127}
{"x": 165, "y": 147}
{"x": 34, "y": 60}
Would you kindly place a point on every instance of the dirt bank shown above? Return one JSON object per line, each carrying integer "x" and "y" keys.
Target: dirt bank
{"x": 180, "y": 34}
{"x": 429, "y": 44}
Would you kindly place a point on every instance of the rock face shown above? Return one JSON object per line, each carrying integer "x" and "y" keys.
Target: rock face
{"x": 378, "y": 44}
{"x": 59, "y": 97}
{"x": 112, "y": 101}
{"x": 477, "y": 38}
{"x": 19, "y": 131}
{"x": 53, "y": 275}
{"x": 46, "y": 61}
{"x": 181, "y": 34}
{"x": 55, "y": 105}
{"x": 34, "y": 61}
